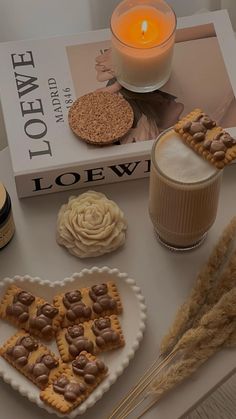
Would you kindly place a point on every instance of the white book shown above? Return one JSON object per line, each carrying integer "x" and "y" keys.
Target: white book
{"x": 39, "y": 79}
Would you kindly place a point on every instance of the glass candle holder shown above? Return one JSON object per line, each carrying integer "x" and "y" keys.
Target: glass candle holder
{"x": 183, "y": 195}
{"x": 143, "y": 36}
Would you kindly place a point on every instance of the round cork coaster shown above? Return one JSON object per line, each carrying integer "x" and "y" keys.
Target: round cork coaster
{"x": 100, "y": 118}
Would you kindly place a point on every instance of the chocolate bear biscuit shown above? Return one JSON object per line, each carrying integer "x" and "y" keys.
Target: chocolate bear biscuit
{"x": 80, "y": 305}
{"x": 45, "y": 320}
{"x": 208, "y": 139}
{"x": 16, "y": 306}
{"x": 104, "y": 299}
{"x": 77, "y": 382}
{"x": 108, "y": 333}
{"x": 73, "y": 307}
{"x": 30, "y": 313}
{"x": 31, "y": 358}
{"x": 99, "y": 335}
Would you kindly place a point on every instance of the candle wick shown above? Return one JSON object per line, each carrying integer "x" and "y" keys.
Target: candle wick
{"x": 144, "y": 27}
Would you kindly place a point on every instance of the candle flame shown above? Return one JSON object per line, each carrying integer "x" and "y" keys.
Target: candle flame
{"x": 144, "y": 27}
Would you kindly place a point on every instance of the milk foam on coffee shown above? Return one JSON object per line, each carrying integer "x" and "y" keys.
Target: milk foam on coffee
{"x": 178, "y": 161}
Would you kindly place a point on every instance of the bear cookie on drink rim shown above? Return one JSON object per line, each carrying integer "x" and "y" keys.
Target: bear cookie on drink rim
{"x": 208, "y": 139}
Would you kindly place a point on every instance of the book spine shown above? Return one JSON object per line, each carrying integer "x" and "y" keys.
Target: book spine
{"x": 86, "y": 176}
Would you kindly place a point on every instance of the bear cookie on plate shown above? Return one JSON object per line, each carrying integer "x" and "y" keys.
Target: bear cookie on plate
{"x": 91, "y": 225}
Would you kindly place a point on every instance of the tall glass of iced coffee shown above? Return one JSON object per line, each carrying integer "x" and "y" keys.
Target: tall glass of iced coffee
{"x": 184, "y": 192}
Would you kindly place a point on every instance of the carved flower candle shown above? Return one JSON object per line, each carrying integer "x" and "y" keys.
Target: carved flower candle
{"x": 91, "y": 225}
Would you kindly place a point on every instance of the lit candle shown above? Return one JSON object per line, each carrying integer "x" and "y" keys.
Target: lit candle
{"x": 143, "y": 34}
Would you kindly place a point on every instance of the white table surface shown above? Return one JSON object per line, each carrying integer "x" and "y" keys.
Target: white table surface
{"x": 165, "y": 278}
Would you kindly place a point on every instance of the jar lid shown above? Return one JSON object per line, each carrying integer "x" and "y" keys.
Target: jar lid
{"x": 3, "y": 195}
{"x": 5, "y": 203}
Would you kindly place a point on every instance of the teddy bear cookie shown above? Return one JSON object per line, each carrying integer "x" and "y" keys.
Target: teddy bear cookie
{"x": 75, "y": 384}
{"x": 16, "y": 305}
{"x": 206, "y": 138}
{"x": 29, "y": 312}
{"x": 99, "y": 335}
{"x": 73, "y": 306}
{"x": 31, "y": 358}
{"x": 105, "y": 299}
{"x": 90, "y": 225}
{"x": 80, "y": 305}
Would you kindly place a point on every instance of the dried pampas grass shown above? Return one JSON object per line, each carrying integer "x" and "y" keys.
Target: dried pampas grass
{"x": 204, "y": 324}
{"x": 197, "y": 303}
{"x": 199, "y": 344}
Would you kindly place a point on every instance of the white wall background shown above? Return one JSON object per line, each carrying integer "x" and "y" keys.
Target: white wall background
{"x": 20, "y": 19}
{"x": 38, "y": 18}
{"x": 231, "y": 6}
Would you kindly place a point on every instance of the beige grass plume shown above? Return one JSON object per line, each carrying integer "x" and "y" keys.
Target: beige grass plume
{"x": 191, "y": 310}
{"x": 204, "y": 323}
{"x": 231, "y": 341}
{"x": 195, "y": 347}
{"x": 200, "y": 344}
{"x": 225, "y": 283}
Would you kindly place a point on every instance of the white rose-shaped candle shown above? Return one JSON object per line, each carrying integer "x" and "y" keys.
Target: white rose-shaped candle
{"x": 90, "y": 225}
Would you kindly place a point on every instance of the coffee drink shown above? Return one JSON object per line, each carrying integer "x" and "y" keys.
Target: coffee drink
{"x": 184, "y": 192}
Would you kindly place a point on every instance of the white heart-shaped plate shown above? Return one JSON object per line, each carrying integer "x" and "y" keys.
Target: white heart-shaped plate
{"x": 132, "y": 322}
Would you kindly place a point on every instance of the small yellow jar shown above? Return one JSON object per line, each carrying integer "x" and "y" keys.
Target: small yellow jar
{"x": 7, "y": 226}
